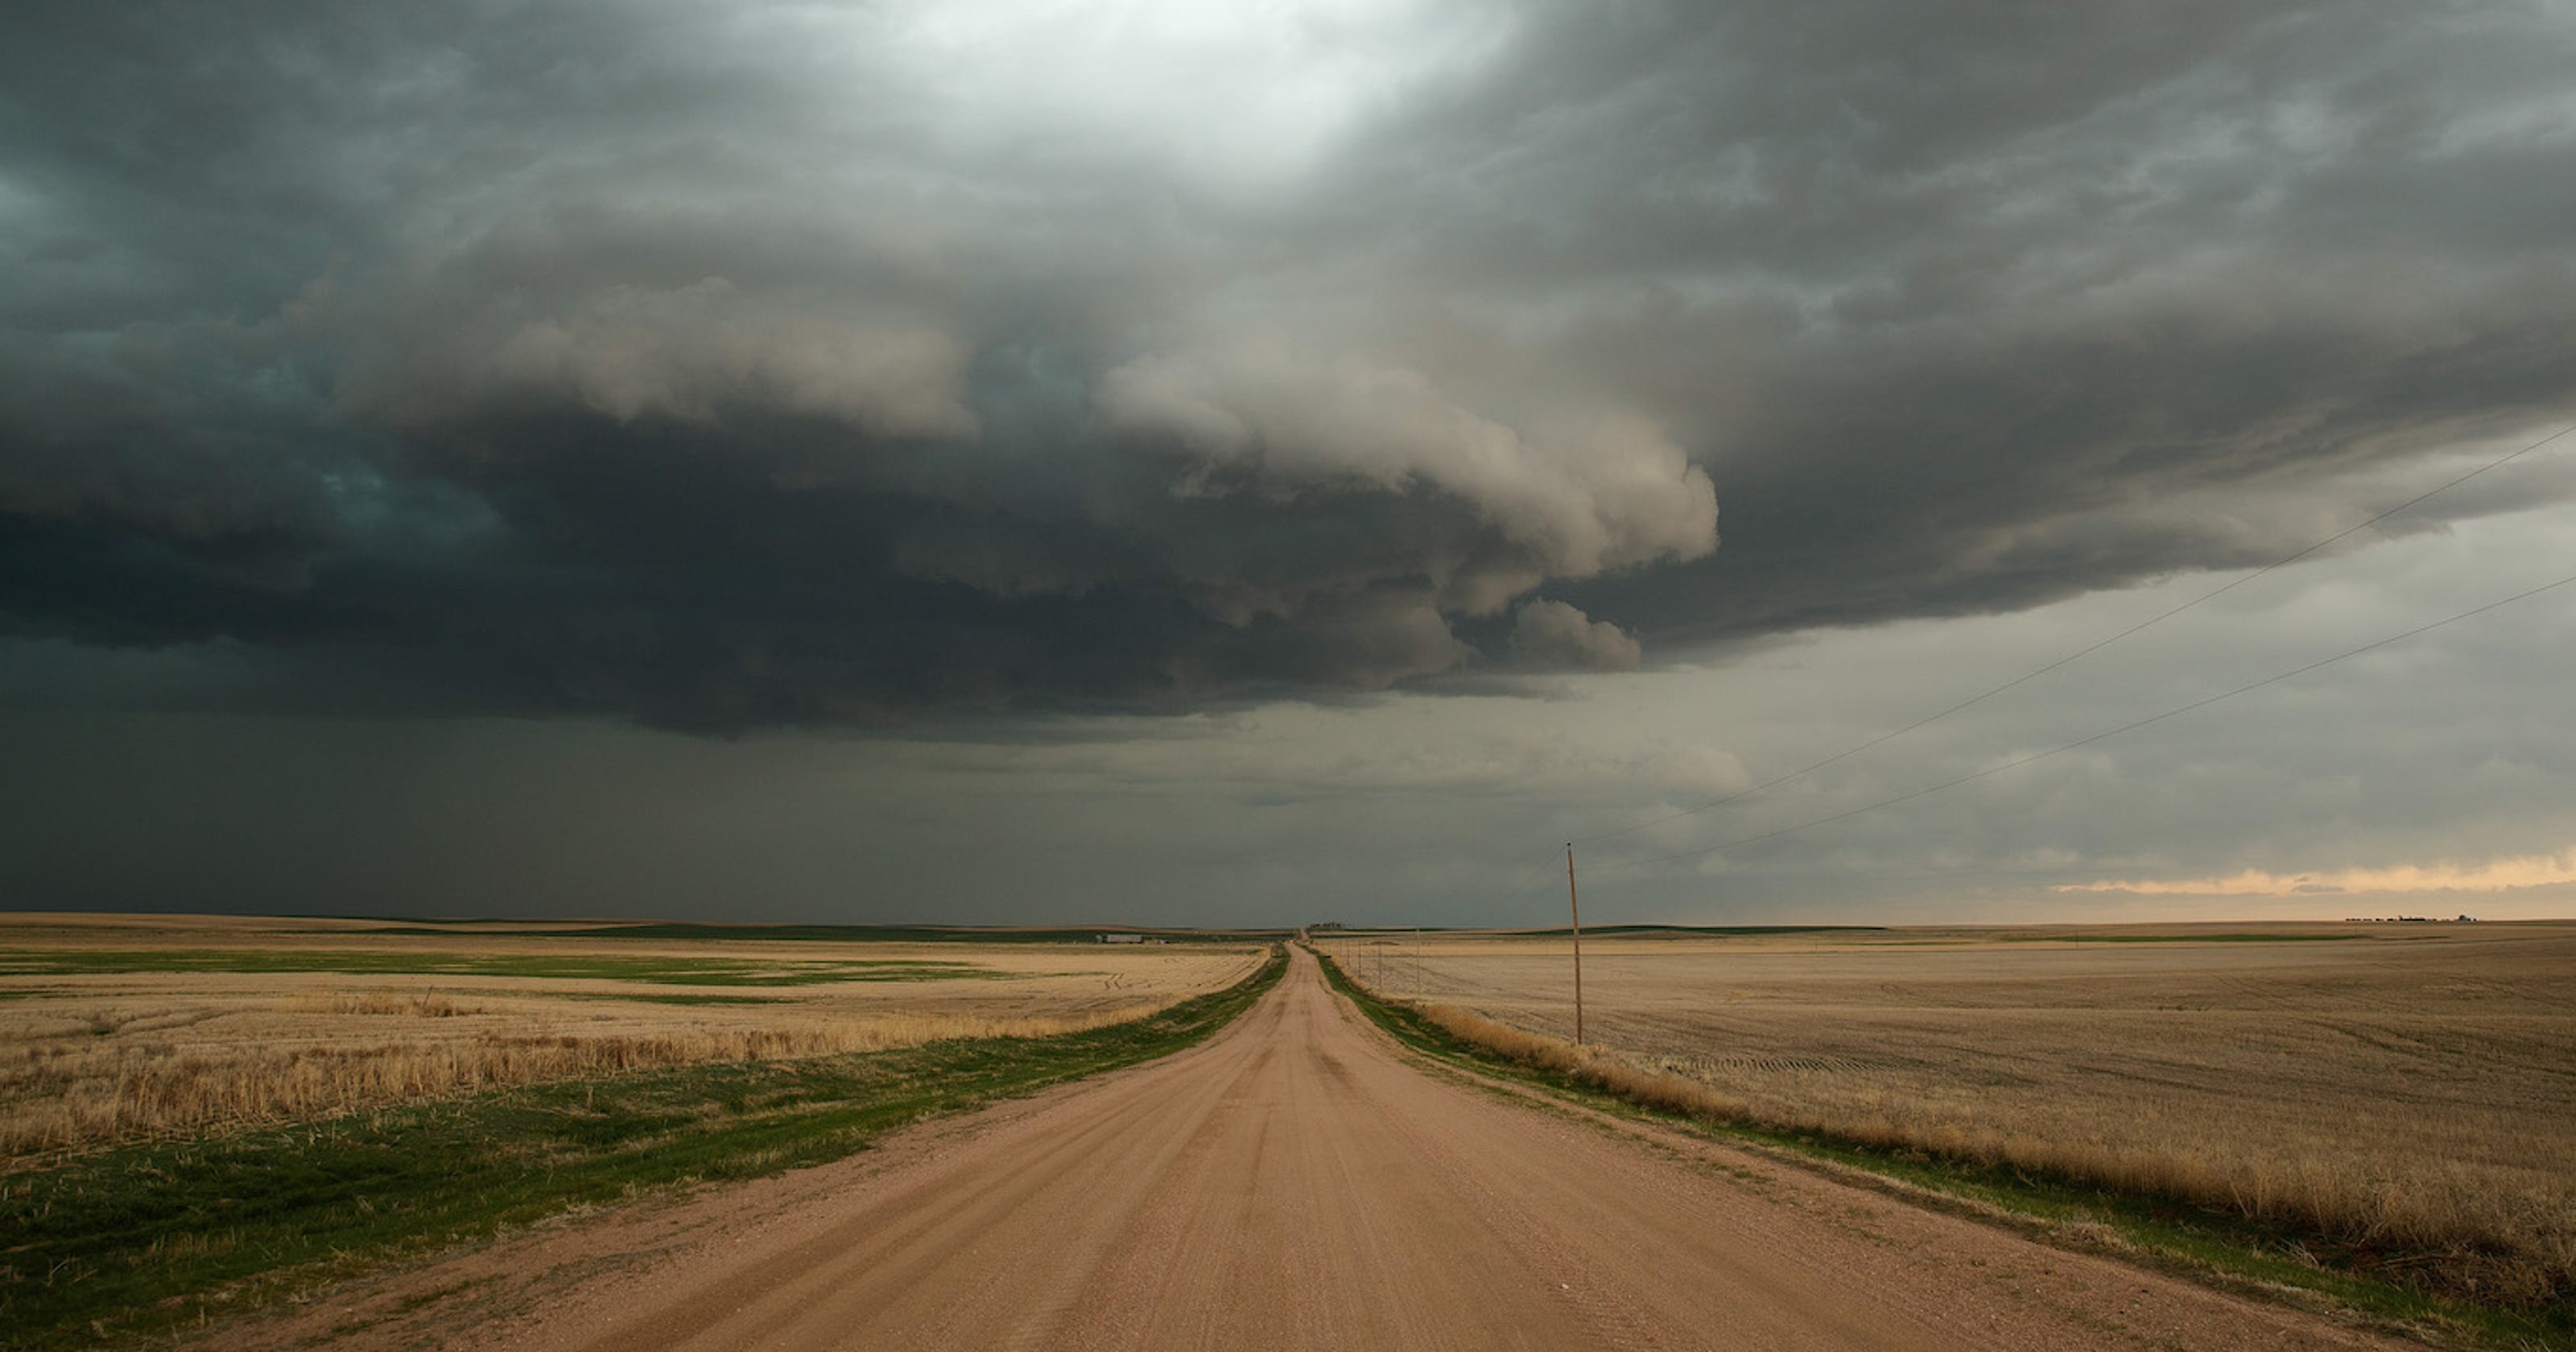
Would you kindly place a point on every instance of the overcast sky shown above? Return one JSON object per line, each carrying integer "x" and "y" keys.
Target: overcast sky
{"x": 1183, "y": 462}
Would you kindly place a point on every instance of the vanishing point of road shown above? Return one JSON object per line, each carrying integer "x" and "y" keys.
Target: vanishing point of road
{"x": 1298, "y": 1181}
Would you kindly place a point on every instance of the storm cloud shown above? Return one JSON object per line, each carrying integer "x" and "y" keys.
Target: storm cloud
{"x": 718, "y": 367}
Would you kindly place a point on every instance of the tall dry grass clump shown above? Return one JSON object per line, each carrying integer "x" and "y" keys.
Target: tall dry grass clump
{"x": 1589, "y": 1066}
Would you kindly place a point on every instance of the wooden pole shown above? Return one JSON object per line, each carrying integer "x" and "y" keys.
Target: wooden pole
{"x": 1575, "y": 905}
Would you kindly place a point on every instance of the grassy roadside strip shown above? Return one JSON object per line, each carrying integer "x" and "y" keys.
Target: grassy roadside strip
{"x": 153, "y": 1240}
{"x": 2227, "y": 1251}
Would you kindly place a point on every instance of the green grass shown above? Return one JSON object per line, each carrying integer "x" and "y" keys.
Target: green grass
{"x": 2188, "y": 1240}
{"x": 137, "y": 1243}
{"x": 664, "y": 971}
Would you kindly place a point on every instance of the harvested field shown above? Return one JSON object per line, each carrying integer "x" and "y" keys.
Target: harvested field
{"x": 116, "y": 1029}
{"x": 2408, "y": 1091}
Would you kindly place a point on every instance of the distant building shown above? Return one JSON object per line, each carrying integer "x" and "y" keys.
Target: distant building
{"x": 1122, "y": 938}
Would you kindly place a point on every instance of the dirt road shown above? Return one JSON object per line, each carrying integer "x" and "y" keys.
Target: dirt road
{"x": 1297, "y": 1182}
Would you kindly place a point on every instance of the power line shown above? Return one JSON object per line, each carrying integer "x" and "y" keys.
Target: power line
{"x": 2143, "y": 625}
{"x": 2096, "y": 737}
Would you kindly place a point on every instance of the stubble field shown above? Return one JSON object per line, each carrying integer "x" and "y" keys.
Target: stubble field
{"x": 118, "y": 1029}
{"x": 2406, "y": 1091}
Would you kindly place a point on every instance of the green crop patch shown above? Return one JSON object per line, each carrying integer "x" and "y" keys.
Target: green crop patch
{"x": 138, "y": 1243}
{"x": 666, "y": 971}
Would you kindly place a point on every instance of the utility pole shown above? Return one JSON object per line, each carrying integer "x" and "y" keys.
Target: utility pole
{"x": 1575, "y": 905}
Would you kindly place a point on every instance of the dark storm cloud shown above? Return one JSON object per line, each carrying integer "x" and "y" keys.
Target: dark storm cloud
{"x": 746, "y": 365}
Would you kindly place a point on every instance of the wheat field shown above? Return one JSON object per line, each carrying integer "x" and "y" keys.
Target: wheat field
{"x": 2409, "y": 1090}
{"x": 121, "y": 1028}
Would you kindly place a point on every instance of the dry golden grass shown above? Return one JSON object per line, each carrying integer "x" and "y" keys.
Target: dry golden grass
{"x": 2410, "y": 1093}
{"x": 93, "y": 1059}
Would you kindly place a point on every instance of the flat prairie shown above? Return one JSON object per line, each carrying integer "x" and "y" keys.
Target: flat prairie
{"x": 2406, "y": 1090}
{"x": 121, "y": 1028}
